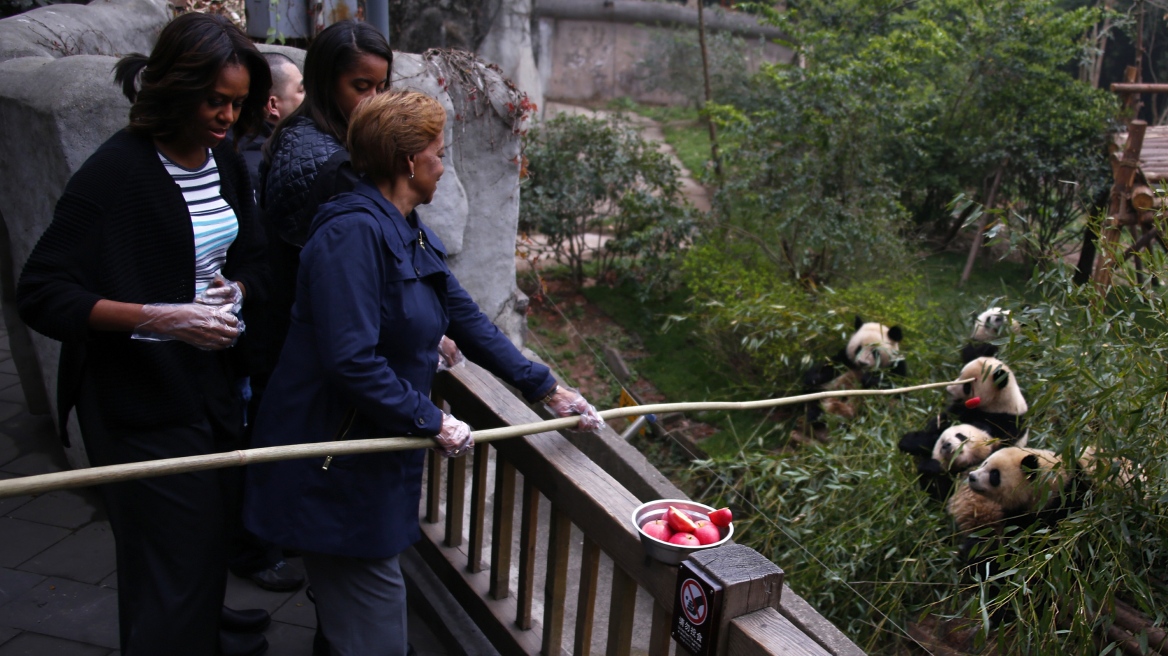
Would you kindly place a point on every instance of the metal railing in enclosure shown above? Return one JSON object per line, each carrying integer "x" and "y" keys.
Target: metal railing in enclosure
{"x": 469, "y": 539}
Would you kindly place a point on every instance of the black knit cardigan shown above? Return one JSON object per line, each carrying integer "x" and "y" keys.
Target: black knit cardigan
{"x": 122, "y": 231}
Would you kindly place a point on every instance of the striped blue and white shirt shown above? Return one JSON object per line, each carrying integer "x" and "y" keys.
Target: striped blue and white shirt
{"x": 214, "y": 222}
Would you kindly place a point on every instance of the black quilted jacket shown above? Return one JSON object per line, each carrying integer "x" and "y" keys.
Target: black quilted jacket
{"x": 297, "y": 158}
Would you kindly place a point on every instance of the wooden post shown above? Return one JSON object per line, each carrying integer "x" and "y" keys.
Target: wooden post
{"x": 747, "y": 580}
{"x": 709, "y": 93}
{"x": 1117, "y": 209}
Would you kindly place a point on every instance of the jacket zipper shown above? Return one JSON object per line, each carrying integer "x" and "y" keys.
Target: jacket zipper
{"x": 346, "y": 424}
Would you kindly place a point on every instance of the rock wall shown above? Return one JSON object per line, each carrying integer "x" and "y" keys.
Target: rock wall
{"x": 588, "y": 50}
{"x": 57, "y": 110}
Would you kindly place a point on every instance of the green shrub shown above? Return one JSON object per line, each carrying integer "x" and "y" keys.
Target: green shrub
{"x": 591, "y": 180}
{"x": 774, "y": 326}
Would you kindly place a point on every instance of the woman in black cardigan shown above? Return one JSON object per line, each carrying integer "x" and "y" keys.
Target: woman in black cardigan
{"x": 152, "y": 252}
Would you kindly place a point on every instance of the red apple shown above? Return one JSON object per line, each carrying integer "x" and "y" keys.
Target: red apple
{"x": 679, "y": 521}
{"x": 972, "y": 403}
{"x": 708, "y": 534}
{"x": 721, "y": 517}
{"x": 659, "y": 529}
{"x": 685, "y": 540}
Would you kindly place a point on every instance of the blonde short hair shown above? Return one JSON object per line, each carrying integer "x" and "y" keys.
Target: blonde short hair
{"x": 386, "y": 129}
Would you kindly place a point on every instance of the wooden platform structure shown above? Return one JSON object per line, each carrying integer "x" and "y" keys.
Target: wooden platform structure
{"x": 1139, "y": 164}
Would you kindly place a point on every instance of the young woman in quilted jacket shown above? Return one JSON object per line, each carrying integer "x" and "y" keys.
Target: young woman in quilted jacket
{"x": 303, "y": 166}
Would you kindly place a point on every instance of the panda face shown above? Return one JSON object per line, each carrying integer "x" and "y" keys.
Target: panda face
{"x": 989, "y": 324}
{"x": 993, "y": 384}
{"x": 962, "y": 446}
{"x": 874, "y": 346}
{"x": 1017, "y": 478}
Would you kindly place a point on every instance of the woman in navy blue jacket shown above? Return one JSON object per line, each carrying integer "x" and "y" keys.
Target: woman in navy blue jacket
{"x": 374, "y": 297}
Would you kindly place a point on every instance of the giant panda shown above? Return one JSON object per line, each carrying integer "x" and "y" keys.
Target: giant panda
{"x": 991, "y": 406}
{"x": 1014, "y": 487}
{"x": 988, "y": 326}
{"x": 872, "y": 351}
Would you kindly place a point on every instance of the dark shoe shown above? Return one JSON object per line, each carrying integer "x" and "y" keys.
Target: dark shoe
{"x": 278, "y": 578}
{"x": 253, "y": 620}
{"x": 241, "y": 644}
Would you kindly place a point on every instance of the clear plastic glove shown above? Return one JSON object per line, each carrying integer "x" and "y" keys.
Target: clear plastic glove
{"x": 455, "y": 438}
{"x": 565, "y": 402}
{"x": 222, "y": 291}
{"x": 209, "y": 327}
{"x": 449, "y": 356}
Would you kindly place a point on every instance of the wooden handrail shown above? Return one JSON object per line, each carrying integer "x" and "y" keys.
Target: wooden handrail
{"x": 582, "y": 492}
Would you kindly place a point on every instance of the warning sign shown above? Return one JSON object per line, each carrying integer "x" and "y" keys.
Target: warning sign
{"x": 693, "y": 602}
{"x": 696, "y": 610}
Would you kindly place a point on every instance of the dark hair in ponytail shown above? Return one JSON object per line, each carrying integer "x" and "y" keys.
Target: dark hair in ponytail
{"x": 167, "y": 87}
{"x": 332, "y": 53}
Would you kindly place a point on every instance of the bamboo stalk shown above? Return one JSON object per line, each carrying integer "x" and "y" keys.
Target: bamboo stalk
{"x": 133, "y": 470}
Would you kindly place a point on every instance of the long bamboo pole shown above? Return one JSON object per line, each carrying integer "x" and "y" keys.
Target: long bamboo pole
{"x": 128, "y": 471}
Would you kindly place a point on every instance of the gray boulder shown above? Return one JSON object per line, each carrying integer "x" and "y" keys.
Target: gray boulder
{"x": 102, "y": 27}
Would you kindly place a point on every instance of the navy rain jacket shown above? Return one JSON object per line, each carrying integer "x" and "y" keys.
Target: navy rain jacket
{"x": 373, "y": 298}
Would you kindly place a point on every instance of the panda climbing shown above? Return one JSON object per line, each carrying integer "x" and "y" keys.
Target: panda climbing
{"x": 988, "y": 326}
{"x": 985, "y": 414}
{"x": 871, "y": 354}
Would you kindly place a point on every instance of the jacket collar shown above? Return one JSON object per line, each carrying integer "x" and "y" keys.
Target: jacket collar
{"x": 400, "y": 223}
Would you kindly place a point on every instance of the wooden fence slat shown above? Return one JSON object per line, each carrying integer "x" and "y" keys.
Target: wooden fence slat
{"x": 502, "y": 528}
{"x": 478, "y": 507}
{"x": 433, "y": 486}
{"x": 527, "y": 535}
{"x": 555, "y": 586}
{"x": 455, "y": 499}
{"x": 660, "y": 638}
{"x": 586, "y": 606}
{"x": 621, "y": 613}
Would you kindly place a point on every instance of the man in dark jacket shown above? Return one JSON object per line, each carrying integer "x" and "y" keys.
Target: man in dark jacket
{"x": 286, "y": 95}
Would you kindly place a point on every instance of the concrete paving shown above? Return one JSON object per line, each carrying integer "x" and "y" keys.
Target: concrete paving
{"x": 58, "y": 584}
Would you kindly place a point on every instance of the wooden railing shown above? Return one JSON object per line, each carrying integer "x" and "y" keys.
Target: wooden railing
{"x": 470, "y": 541}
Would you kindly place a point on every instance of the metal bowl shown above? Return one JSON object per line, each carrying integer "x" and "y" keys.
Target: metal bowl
{"x": 666, "y": 552}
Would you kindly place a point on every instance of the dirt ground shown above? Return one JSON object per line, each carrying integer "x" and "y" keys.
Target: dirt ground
{"x": 571, "y": 334}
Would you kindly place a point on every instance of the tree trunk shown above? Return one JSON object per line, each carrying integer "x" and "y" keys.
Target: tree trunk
{"x": 991, "y": 198}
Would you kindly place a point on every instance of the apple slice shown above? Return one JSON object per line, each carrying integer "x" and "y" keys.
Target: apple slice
{"x": 679, "y": 521}
{"x": 685, "y": 540}
{"x": 721, "y": 517}
{"x": 659, "y": 529}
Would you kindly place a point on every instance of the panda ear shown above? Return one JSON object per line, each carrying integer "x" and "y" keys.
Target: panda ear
{"x": 895, "y": 334}
{"x": 859, "y": 322}
{"x": 1029, "y": 466}
{"x": 1001, "y": 378}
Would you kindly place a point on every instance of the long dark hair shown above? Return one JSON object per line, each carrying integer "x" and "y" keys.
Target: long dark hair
{"x": 184, "y": 65}
{"x": 333, "y": 53}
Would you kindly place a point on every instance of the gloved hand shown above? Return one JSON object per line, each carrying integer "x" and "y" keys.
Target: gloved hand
{"x": 209, "y": 327}
{"x": 449, "y": 356}
{"x": 565, "y": 402}
{"x": 222, "y": 291}
{"x": 454, "y": 439}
